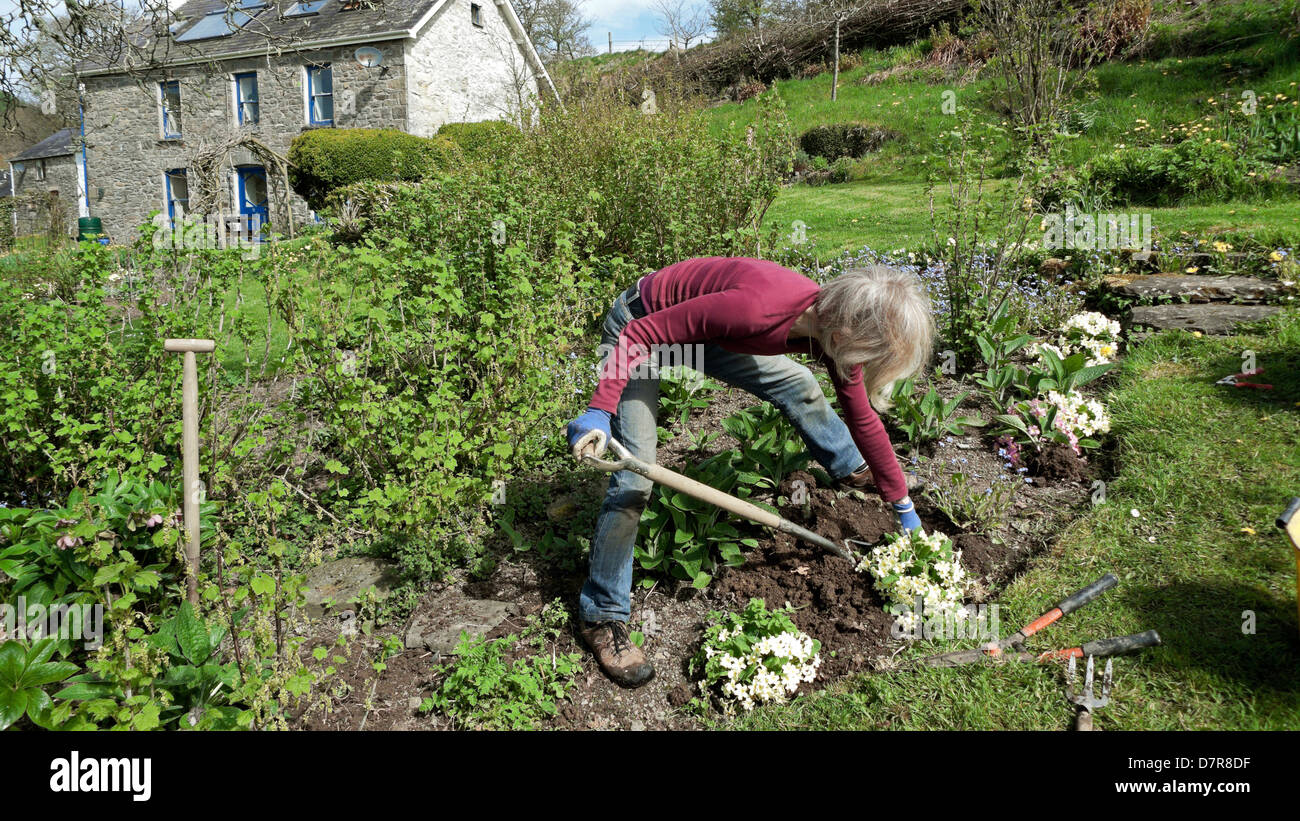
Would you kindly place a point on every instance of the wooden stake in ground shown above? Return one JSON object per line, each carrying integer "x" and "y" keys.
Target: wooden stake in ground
{"x": 190, "y": 452}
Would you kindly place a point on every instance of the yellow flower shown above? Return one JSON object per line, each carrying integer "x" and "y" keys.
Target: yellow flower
{"x": 1221, "y": 247}
{"x": 1275, "y": 256}
{"x": 1193, "y": 269}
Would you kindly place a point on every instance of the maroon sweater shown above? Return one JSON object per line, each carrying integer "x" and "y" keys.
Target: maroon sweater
{"x": 747, "y": 306}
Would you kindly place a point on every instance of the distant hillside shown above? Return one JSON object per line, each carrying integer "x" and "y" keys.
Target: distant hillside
{"x": 1166, "y": 85}
{"x": 23, "y": 125}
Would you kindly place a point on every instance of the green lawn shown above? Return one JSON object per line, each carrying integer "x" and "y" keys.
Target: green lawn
{"x": 886, "y": 216}
{"x": 1207, "y": 469}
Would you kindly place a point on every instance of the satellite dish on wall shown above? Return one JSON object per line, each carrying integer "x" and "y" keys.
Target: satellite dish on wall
{"x": 368, "y": 56}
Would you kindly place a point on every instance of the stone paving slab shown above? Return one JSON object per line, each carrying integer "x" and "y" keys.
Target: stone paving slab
{"x": 1209, "y": 318}
{"x": 438, "y": 623}
{"x": 342, "y": 580}
{"x": 1195, "y": 288}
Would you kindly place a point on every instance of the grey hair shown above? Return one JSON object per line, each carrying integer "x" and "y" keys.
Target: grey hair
{"x": 885, "y": 322}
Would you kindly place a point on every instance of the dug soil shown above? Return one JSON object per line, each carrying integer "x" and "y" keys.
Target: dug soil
{"x": 832, "y": 602}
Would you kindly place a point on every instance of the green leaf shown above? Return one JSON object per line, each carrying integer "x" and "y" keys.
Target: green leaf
{"x": 148, "y": 717}
{"x": 192, "y": 635}
{"x": 85, "y": 690}
{"x": 13, "y": 660}
{"x": 48, "y": 673}
{"x": 13, "y": 703}
{"x": 262, "y": 584}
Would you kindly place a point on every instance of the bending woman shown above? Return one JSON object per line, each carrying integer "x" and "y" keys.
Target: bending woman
{"x": 869, "y": 326}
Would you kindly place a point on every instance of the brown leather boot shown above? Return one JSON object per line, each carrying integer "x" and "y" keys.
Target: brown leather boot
{"x": 862, "y": 480}
{"x": 621, "y": 660}
{"x": 859, "y": 480}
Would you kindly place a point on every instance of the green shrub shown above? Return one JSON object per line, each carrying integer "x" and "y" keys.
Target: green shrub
{"x": 479, "y": 140}
{"x": 324, "y": 159}
{"x": 427, "y": 364}
{"x": 659, "y": 188}
{"x": 1160, "y": 175}
{"x": 1274, "y": 134}
{"x": 146, "y": 662}
{"x": 842, "y": 140}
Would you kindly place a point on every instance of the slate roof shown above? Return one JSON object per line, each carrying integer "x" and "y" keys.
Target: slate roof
{"x": 57, "y": 144}
{"x": 385, "y": 19}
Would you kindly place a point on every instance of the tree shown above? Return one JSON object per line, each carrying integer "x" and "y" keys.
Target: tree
{"x": 732, "y": 16}
{"x": 1045, "y": 49}
{"x": 560, "y": 30}
{"x": 834, "y": 13}
{"x": 682, "y": 22}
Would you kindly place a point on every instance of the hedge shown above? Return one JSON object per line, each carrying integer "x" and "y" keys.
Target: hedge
{"x": 324, "y": 159}
{"x": 478, "y": 139}
{"x": 842, "y": 140}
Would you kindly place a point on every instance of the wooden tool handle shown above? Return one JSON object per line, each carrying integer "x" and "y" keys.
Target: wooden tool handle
{"x": 663, "y": 476}
{"x": 194, "y": 345}
{"x": 1290, "y": 522}
{"x": 1084, "y": 721}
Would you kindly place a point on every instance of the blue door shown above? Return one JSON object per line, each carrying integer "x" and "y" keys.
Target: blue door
{"x": 253, "y": 198}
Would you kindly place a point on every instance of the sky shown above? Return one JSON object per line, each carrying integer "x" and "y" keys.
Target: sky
{"x": 630, "y": 21}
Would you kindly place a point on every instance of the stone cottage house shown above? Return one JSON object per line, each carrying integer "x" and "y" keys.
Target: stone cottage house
{"x": 237, "y": 80}
{"x": 45, "y": 182}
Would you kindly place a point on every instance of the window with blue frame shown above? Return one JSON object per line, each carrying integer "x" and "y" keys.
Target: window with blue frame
{"x": 320, "y": 95}
{"x": 246, "y": 104}
{"x": 170, "y": 91}
{"x": 178, "y": 194}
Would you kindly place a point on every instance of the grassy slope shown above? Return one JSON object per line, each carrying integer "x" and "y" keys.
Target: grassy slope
{"x": 1202, "y": 465}
{"x": 888, "y": 199}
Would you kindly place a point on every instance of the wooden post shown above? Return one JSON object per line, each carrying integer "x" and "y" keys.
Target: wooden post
{"x": 611, "y": 41}
{"x": 193, "y": 488}
{"x": 835, "y": 76}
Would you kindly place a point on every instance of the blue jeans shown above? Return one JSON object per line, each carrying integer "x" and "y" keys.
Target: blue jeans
{"x": 607, "y": 593}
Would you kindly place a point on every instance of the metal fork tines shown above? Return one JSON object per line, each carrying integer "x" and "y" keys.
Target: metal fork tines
{"x": 1088, "y": 700}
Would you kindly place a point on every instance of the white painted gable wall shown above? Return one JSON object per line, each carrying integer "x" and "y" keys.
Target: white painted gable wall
{"x": 458, "y": 72}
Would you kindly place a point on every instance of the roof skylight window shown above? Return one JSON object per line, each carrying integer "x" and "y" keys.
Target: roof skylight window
{"x": 220, "y": 23}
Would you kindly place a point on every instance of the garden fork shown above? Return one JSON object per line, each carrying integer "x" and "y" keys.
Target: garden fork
{"x": 1087, "y": 701}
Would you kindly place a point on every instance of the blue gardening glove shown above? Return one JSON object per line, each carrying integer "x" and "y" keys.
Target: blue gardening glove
{"x": 590, "y": 432}
{"x": 906, "y": 512}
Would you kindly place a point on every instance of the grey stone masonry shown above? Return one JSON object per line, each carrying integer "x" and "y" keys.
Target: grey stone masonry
{"x": 128, "y": 154}
{"x": 45, "y": 188}
{"x": 439, "y": 61}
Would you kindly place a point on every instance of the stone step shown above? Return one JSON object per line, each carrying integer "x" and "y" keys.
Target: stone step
{"x": 333, "y": 586}
{"x": 1204, "y": 258}
{"x": 438, "y": 622}
{"x": 1196, "y": 288}
{"x": 1209, "y": 318}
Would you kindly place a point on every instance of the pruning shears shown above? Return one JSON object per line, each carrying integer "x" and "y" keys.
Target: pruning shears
{"x": 998, "y": 650}
{"x": 1231, "y": 380}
